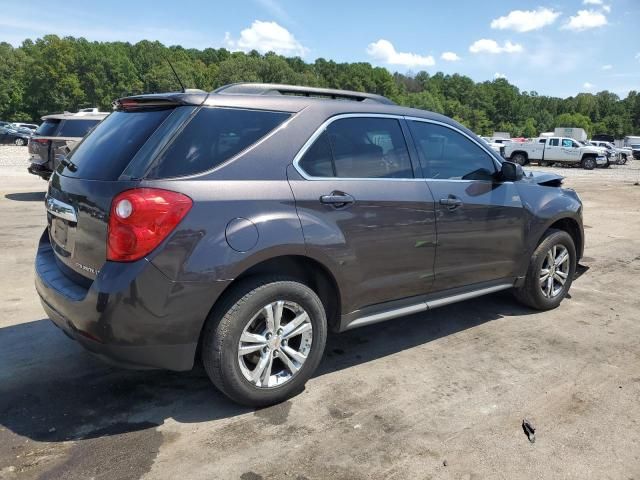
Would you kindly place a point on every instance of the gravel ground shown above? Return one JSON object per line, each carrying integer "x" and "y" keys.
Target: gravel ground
{"x": 435, "y": 395}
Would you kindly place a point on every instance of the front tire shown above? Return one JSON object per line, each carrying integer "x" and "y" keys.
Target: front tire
{"x": 20, "y": 142}
{"x": 264, "y": 340}
{"x": 550, "y": 273}
{"x": 589, "y": 163}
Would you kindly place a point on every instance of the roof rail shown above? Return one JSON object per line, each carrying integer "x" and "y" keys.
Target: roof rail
{"x": 296, "y": 90}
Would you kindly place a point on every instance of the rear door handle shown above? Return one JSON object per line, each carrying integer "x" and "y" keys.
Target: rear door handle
{"x": 452, "y": 202}
{"x": 337, "y": 199}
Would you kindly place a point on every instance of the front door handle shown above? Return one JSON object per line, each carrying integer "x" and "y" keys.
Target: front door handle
{"x": 337, "y": 199}
{"x": 452, "y": 202}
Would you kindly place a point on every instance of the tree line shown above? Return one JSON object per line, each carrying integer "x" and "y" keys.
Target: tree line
{"x": 53, "y": 74}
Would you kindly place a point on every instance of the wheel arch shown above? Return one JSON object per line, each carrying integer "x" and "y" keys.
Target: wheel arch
{"x": 305, "y": 269}
{"x": 572, "y": 227}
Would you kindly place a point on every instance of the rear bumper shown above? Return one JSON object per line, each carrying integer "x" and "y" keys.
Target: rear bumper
{"x": 131, "y": 315}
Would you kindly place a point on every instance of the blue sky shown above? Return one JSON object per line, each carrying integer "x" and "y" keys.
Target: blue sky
{"x": 559, "y": 47}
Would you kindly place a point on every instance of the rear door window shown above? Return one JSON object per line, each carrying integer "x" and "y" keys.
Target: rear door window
{"x": 48, "y": 128}
{"x": 76, "y": 128}
{"x": 359, "y": 147}
{"x": 213, "y": 136}
{"x": 107, "y": 150}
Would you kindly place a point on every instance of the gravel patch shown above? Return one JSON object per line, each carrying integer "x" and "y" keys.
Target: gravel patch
{"x": 11, "y": 155}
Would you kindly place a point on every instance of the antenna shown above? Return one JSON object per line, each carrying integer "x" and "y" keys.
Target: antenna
{"x": 177, "y": 77}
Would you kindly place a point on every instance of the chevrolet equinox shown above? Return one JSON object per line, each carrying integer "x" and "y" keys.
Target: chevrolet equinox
{"x": 243, "y": 224}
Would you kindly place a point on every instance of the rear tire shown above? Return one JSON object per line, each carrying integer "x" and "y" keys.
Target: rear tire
{"x": 239, "y": 322}
{"x": 535, "y": 292}
{"x": 519, "y": 158}
{"x": 20, "y": 142}
{"x": 589, "y": 163}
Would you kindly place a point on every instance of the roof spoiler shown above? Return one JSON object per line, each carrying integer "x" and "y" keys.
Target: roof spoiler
{"x": 160, "y": 100}
{"x": 295, "y": 90}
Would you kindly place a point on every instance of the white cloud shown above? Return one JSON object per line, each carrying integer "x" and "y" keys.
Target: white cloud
{"x": 607, "y": 67}
{"x": 592, "y": 2}
{"x": 498, "y": 75}
{"x": 526, "y": 20}
{"x": 384, "y": 51}
{"x": 450, "y": 57}
{"x": 584, "y": 20}
{"x": 638, "y": 56}
{"x": 588, "y": 86}
{"x": 606, "y": 8}
{"x": 266, "y": 37}
{"x": 486, "y": 45}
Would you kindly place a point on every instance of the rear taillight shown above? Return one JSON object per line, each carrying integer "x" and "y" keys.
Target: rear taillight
{"x": 142, "y": 218}
{"x": 39, "y": 140}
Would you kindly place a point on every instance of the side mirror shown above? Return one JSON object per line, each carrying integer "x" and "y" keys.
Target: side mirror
{"x": 511, "y": 172}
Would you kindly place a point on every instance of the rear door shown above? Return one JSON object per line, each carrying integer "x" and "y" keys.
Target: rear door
{"x": 363, "y": 208}
{"x": 480, "y": 220}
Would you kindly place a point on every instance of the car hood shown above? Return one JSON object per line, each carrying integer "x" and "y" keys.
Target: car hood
{"x": 548, "y": 179}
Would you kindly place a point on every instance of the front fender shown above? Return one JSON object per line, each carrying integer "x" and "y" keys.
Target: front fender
{"x": 544, "y": 207}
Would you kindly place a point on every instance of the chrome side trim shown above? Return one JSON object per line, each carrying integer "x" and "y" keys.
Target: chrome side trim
{"x": 61, "y": 210}
{"x": 440, "y": 302}
{"x": 388, "y": 315}
{"x": 424, "y": 306}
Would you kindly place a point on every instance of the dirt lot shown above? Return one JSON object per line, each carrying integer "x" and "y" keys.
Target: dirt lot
{"x": 438, "y": 395}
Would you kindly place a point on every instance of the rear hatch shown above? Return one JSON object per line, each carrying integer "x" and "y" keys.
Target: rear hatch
{"x": 40, "y": 143}
{"x": 83, "y": 186}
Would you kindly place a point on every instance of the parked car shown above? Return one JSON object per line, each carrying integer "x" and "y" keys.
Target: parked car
{"x": 549, "y": 150}
{"x": 57, "y": 136}
{"x": 616, "y": 155}
{"x": 12, "y": 136}
{"x": 635, "y": 148}
{"x": 244, "y": 224}
{"x": 29, "y": 126}
{"x": 495, "y": 146}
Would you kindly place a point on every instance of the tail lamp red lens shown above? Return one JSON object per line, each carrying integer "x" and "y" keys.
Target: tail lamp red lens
{"x": 140, "y": 219}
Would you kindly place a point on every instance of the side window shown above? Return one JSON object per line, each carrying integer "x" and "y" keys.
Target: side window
{"x": 359, "y": 147}
{"x": 317, "y": 160}
{"x": 553, "y": 142}
{"x": 566, "y": 142}
{"x": 213, "y": 136}
{"x": 575, "y": 144}
{"x": 447, "y": 154}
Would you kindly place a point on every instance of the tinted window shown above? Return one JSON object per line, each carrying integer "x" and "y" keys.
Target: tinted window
{"x": 48, "y": 128}
{"x": 107, "y": 150}
{"x": 317, "y": 161}
{"x": 553, "y": 142}
{"x": 213, "y": 136}
{"x": 369, "y": 148}
{"x": 445, "y": 153}
{"x": 76, "y": 128}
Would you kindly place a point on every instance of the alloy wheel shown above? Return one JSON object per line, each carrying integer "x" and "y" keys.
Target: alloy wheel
{"x": 554, "y": 271}
{"x": 275, "y": 344}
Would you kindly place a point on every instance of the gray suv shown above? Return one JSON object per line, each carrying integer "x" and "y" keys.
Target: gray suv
{"x": 239, "y": 226}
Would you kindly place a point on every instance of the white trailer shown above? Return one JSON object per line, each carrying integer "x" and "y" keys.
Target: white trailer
{"x": 575, "y": 133}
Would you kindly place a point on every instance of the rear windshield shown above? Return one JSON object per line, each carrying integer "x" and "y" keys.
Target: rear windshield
{"x": 108, "y": 149}
{"x": 76, "y": 128}
{"x": 48, "y": 128}
{"x": 213, "y": 136}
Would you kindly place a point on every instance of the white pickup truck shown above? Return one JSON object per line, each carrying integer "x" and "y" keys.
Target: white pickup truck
{"x": 550, "y": 150}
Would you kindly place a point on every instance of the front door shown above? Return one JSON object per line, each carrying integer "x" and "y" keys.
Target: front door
{"x": 363, "y": 210}
{"x": 480, "y": 220}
